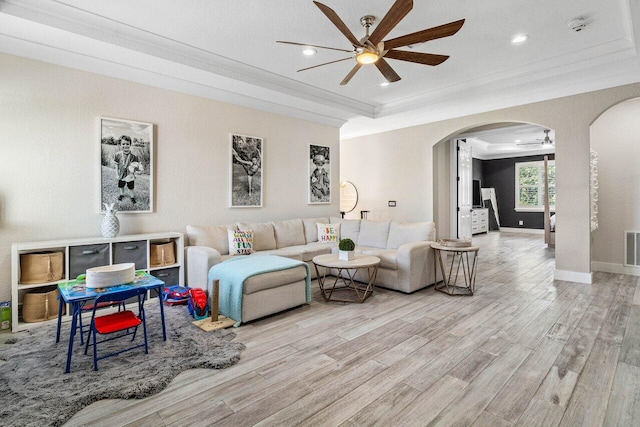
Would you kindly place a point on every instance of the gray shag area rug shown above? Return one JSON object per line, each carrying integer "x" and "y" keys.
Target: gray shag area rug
{"x": 35, "y": 391}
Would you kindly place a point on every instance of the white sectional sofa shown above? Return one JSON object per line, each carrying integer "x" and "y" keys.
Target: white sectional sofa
{"x": 404, "y": 248}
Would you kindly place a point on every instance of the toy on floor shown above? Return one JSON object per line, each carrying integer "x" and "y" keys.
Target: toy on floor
{"x": 217, "y": 321}
{"x": 198, "y": 306}
{"x": 174, "y": 295}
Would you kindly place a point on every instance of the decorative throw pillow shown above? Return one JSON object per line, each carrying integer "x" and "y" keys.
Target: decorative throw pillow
{"x": 328, "y": 233}
{"x": 240, "y": 242}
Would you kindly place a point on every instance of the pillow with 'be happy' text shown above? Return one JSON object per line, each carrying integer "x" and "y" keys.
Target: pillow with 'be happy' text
{"x": 328, "y": 233}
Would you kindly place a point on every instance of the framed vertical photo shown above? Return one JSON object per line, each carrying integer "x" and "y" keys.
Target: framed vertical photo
{"x": 246, "y": 166}
{"x": 126, "y": 165}
{"x": 319, "y": 160}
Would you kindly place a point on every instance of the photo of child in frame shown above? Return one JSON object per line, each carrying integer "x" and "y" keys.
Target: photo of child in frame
{"x": 319, "y": 174}
{"x": 126, "y": 165}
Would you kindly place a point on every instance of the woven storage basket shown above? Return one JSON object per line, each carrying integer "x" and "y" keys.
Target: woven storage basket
{"x": 41, "y": 267}
{"x": 162, "y": 254}
{"x": 38, "y": 306}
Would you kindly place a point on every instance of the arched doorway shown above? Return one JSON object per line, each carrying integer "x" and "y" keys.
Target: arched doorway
{"x": 614, "y": 139}
{"x": 507, "y": 179}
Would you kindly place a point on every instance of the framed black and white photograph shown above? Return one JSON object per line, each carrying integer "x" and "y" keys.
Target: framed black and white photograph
{"x": 126, "y": 162}
{"x": 319, "y": 174}
{"x": 245, "y": 189}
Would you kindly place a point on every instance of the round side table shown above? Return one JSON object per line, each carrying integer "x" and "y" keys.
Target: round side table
{"x": 353, "y": 292}
{"x": 460, "y": 258}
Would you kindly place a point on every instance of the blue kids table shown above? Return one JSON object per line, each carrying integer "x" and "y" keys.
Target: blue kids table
{"x": 76, "y": 294}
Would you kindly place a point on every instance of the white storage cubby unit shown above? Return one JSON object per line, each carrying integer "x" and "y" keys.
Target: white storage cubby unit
{"x": 80, "y": 254}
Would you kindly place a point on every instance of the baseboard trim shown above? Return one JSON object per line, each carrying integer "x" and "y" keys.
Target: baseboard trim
{"x": 522, "y": 230}
{"x": 610, "y": 267}
{"x": 573, "y": 276}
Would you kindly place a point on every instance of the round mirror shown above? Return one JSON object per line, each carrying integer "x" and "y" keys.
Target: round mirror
{"x": 348, "y": 196}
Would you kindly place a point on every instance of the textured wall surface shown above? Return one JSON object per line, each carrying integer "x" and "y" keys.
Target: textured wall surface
{"x": 50, "y": 150}
{"x": 570, "y": 117}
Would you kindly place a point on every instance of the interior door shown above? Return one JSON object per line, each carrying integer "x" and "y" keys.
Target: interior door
{"x": 465, "y": 182}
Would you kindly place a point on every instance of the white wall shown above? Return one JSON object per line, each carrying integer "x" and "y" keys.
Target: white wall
{"x": 570, "y": 117}
{"x": 615, "y": 136}
{"x": 49, "y": 149}
{"x": 386, "y": 167}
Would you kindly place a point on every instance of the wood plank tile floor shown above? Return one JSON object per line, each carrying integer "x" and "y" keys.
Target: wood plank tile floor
{"x": 524, "y": 350}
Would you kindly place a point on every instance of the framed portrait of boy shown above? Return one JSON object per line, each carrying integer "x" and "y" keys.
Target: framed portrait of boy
{"x": 246, "y": 166}
{"x": 126, "y": 165}
{"x": 319, "y": 161}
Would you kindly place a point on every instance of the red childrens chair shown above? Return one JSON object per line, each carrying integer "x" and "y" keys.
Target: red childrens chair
{"x": 122, "y": 321}
{"x": 89, "y": 306}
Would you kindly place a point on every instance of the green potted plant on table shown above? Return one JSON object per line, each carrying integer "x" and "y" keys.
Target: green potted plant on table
{"x": 346, "y": 249}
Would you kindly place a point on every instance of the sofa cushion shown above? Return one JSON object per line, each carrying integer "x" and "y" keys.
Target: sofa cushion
{"x": 311, "y": 229}
{"x": 240, "y": 242}
{"x": 388, "y": 257}
{"x": 349, "y": 228}
{"x": 373, "y": 233}
{"x": 328, "y": 233}
{"x": 307, "y": 252}
{"x": 264, "y": 237}
{"x": 283, "y": 252}
{"x": 407, "y": 232}
{"x": 289, "y": 233}
{"x": 214, "y": 237}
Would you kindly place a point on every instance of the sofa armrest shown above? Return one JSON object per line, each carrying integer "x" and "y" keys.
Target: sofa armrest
{"x": 198, "y": 261}
{"x": 416, "y": 265}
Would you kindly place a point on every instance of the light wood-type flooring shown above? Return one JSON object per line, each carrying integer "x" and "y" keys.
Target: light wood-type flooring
{"x": 524, "y": 350}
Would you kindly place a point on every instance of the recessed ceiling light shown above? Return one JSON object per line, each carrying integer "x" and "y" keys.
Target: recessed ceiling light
{"x": 517, "y": 140}
{"x": 519, "y": 39}
{"x": 384, "y": 84}
{"x": 309, "y": 51}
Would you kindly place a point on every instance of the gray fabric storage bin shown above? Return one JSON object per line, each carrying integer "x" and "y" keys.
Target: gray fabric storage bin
{"x": 135, "y": 252}
{"x": 86, "y": 256}
{"x": 170, "y": 276}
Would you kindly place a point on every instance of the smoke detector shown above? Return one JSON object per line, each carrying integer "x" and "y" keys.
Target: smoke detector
{"x": 576, "y": 24}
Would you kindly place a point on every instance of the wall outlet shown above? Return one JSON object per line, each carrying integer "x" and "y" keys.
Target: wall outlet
{"x": 392, "y": 203}
{"x": 521, "y": 222}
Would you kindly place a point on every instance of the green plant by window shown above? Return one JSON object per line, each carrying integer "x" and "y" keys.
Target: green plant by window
{"x": 346, "y": 245}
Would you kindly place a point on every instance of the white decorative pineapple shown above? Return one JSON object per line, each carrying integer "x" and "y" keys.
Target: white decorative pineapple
{"x": 110, "y": 226}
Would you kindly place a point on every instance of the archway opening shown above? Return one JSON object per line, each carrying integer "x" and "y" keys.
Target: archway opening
{"x": 510, "y": 189}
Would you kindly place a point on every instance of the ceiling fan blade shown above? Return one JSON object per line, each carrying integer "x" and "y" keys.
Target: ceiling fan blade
{"x": 335, "y": 19}
{"x": 387, "y": 71}
{"x": 352, "y": 73}
{"x": 326, "y": 63}
{"x": 398, "y": 11}
{"x": 314, "y": 45}
{"x": 417, "y": 57}
{"x": 529, "y": 143}
{"x": 439, "y": 32}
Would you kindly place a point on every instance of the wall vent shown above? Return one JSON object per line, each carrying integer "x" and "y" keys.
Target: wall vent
{"x": 632, "y": 248}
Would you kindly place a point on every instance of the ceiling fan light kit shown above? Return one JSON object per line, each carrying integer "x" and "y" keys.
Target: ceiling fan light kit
{"x": 367, "y": 57}
{"x": 371, "y": 49}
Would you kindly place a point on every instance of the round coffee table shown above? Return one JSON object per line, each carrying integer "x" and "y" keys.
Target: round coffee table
{"x": 348, "y": 290}
{"x": 461, "y": 255}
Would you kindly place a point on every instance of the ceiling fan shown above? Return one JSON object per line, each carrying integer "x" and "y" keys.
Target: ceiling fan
{"x": 371, "y": 49}
{"x": 545, "y": 142}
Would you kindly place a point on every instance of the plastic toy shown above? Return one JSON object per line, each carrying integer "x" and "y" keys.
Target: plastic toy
{"x": 174, "y": 295}
{"x": 197, "y": 305}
